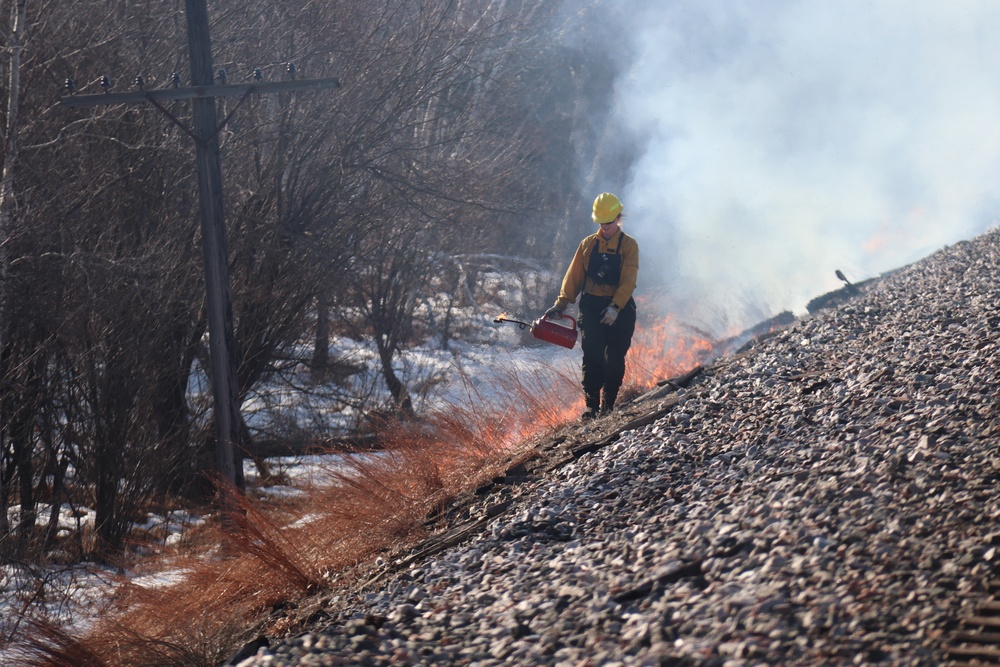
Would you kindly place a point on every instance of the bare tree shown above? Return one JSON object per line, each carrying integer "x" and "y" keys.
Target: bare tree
{"x": 93, "y": 343}
{"x": 344, "y": 208}
{"x": 15, "y": 37}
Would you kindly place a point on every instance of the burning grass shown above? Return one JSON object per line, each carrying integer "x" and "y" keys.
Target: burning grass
{"x": 663, "y": 349}
{"x": 372, "y": 504}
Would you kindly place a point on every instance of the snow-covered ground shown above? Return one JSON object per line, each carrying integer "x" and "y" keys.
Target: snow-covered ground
{"x": 483, "y": 368}
{"x": 490, "y": 367}
{"x": 479, "y": 368}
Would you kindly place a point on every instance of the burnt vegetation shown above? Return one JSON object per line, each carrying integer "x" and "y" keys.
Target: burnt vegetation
{"x": 454, "y": 136}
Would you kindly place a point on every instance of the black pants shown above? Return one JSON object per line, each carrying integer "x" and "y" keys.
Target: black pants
{"x": 604, "y": 349}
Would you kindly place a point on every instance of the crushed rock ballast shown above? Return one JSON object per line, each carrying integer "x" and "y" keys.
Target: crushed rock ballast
{"x": 826, "y": 497}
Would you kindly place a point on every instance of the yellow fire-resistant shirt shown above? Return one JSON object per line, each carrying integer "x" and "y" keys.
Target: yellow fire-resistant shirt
{"x": 576, "y": 279}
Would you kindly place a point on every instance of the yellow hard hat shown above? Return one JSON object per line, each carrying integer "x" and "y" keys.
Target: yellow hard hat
{"x": 606, "y": 208}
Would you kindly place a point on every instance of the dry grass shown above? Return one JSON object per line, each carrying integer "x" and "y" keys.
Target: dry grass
{"x": 51, "y": 645}
{"x": 377, "y": 503}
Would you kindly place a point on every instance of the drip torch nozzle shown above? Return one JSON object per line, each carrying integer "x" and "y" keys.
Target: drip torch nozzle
{"x": 519, "y": 323}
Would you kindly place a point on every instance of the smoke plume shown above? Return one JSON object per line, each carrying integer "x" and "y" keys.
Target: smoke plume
{"x": 782, "y": 141}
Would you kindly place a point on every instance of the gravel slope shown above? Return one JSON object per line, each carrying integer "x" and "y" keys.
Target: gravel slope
{"x": 827, "y": 497}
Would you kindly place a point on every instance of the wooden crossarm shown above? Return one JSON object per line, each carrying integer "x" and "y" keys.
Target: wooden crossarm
{"x": 191, "y": 92}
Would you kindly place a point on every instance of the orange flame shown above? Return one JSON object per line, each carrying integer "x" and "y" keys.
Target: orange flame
{"x": 524, "y": 403}
{"x": 661, "y": 351}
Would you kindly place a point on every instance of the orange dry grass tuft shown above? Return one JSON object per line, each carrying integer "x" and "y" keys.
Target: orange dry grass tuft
{"x": 541, "y": 401}
{"x": 377, "y": 501}
{"x": 388, "y": 495}
{"x": 523, "y": 402}
{"x": 51, "y": 645}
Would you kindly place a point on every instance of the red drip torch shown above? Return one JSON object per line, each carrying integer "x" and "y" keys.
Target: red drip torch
{"x": 548, "y": 330}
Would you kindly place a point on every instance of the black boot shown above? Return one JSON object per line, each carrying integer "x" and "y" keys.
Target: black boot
{"x": 593, "y": 408}
{"x": 608, "y": 403}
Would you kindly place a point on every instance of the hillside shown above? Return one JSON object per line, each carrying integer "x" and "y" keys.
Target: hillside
{"x": 826, "y": 495}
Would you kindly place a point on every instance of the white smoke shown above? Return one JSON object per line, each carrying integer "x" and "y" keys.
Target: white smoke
{"x": 787, "y": 139}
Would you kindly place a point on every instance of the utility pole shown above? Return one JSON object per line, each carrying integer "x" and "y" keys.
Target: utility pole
{"x": 205, "y": 130}
{"x": 213, "y": 243}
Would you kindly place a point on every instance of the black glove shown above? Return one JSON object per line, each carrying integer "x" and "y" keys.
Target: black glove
{"x": 552, "y": 312}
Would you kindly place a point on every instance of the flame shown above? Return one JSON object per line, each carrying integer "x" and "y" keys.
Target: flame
{"x": 528, "y": 403}
{"x": 892, "y": 232}
{"x": 381, "y": 503}
{"x": 662, "y": 350}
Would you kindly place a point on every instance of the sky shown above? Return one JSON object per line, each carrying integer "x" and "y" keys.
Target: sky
{"x": 782, "y": 140}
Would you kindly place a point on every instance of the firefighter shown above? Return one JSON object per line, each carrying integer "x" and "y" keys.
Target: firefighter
{"x": 604, "y": 268}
